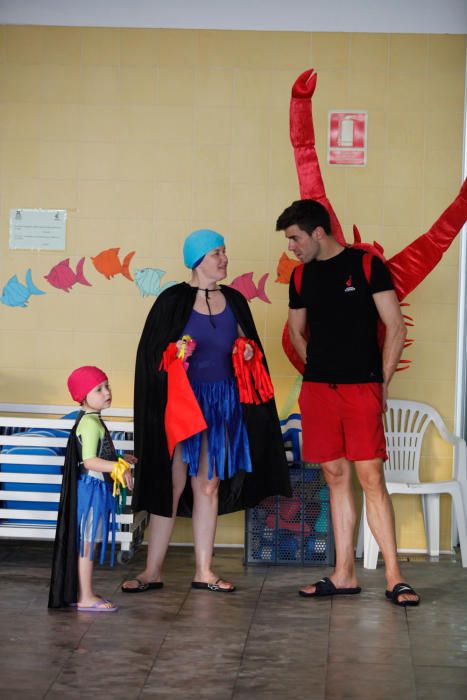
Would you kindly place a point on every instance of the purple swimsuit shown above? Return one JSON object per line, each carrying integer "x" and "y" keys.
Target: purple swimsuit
{"x": 211, "y": 376}
{"x": 212, "y": 358}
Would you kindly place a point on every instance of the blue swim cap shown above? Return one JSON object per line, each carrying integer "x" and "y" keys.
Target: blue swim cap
{"x": 198, "y": 243}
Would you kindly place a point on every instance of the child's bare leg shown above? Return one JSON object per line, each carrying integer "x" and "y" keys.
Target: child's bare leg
{"x": 85, "y": 570}
{"x": 86, "y": 595}
{"x": 160, "y": 529}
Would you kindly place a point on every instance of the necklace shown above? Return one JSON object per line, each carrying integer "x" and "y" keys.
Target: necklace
{"x": 206, "y": 290}
{"x": 206, "y": 293}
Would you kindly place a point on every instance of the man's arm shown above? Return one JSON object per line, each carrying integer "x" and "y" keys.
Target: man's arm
{"x": 390, "y": 314}
{"x": 297, "y": 331}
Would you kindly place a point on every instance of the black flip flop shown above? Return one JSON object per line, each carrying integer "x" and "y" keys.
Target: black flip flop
{"x": 200, "y": 585}
{"x": 325, "y": 587}
{"x": 143, "y": 586}
{"x": 398, "y": 590}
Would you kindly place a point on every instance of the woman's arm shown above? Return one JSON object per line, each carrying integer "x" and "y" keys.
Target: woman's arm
{"x": 248, "y": 352}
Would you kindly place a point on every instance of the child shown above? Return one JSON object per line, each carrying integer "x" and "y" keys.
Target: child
{"x": 92, "y": 477}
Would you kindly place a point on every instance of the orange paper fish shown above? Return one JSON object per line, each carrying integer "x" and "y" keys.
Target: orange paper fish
{"x": 285, "y": 267}
{"x": 108, "y": 263}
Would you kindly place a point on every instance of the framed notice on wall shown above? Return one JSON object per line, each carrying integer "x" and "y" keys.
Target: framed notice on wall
{"x": 347, "y": 138}
{"x": 38, "y": 229}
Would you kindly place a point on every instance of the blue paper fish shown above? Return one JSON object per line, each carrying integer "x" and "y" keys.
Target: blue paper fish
{"x": 17, "y": 294}
{"x": 148, "y": 281}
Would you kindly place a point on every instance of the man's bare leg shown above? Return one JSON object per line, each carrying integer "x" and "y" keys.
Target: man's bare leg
{"x": 338, "y": 476}
{"x": 380, "y": 515}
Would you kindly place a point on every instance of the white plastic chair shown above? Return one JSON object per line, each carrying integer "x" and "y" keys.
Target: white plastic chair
{"x": 405, "y": 426}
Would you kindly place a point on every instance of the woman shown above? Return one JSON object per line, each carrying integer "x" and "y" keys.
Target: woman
{"x": 234, "y": 464}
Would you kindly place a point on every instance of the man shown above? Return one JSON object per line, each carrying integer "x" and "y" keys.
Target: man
{"x": 333, "y": 319}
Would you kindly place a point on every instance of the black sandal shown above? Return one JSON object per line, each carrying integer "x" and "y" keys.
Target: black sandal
{"x": 201, "y": 585}
{"x": 398, "y": 590}
{"x": 325, "y": 587}
{"x": 142, "y": 586}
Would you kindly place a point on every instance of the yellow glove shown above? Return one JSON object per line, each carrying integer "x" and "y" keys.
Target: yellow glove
{"x": 117, "y": 475}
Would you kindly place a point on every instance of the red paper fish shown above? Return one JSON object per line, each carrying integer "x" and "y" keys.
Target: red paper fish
{"x": 285, "y": 267}
{"x": 108, "y": 263}
{"x": 62, "y": 276}
{"x": 244, "y": 284}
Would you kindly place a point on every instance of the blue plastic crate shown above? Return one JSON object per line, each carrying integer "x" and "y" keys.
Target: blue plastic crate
{"x": 296, "y": 530}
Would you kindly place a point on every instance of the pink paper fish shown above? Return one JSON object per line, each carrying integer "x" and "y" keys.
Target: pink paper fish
{"x": 244, "y": 284}
{"x": 62, "y": 276}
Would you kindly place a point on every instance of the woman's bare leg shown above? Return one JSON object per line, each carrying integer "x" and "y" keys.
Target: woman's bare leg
{"x": 160, "y": 528}
{"x": 205, "y": 509}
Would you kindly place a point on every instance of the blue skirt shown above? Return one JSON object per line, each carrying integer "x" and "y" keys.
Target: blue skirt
{"x": 96, "y": 515}
{"x": 227, "y": 439}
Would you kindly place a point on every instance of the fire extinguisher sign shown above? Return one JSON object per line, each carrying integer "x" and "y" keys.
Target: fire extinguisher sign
{"x": 347, "y": 143}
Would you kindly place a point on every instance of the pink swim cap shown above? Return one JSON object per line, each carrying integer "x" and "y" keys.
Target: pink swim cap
{"x": 83, "y": 380}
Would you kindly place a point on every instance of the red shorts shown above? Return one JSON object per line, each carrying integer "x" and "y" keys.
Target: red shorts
{"x": 343, "y": 420}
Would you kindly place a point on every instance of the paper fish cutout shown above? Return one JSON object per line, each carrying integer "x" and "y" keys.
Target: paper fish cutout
{"x": 285, "y": 267}
{"x": 62, "y": 276}
{"x": 17, "y": 294}
{"x": 244, "y": 284}
{"x": 148, "y": 281}
{"x": 108, "y": 263}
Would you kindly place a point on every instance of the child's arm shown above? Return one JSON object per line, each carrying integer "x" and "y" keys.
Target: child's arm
{"x": 90, "y": 432}
{"x": 105, "y": 465}
{"x": 98, "y": 465}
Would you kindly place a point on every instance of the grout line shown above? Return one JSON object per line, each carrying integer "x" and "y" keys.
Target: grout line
{"x": 169, "y": 629}
{"x": 69, "y": 657}
{"x": 243, "y": 654}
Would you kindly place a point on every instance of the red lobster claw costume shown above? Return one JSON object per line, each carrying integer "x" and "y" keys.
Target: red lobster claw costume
{"x": 411, "y": 265}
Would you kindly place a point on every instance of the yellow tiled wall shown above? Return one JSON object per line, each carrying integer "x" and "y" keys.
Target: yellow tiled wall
{"x": 144, "y": 135}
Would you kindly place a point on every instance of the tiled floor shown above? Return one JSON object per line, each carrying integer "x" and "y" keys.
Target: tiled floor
{"x": 263, "y": 642}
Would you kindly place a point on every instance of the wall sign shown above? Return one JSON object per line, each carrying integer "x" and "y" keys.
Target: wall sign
{"x": 38, "y": 229}
{"x": 347, "y": 142}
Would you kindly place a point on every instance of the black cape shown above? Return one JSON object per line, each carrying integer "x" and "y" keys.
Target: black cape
{"x": 153, "y": 473}
{"x": 64, "y": 577}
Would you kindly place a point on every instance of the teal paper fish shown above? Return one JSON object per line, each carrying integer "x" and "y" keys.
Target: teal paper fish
{"x": 17, "y": 294}
{"x": 148, "y": 281}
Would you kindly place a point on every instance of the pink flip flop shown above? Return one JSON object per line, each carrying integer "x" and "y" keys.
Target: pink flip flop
{"x": 99, "y": 606}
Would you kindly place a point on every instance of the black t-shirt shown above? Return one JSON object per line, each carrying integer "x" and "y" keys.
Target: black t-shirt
{"x": 342, "y": 317}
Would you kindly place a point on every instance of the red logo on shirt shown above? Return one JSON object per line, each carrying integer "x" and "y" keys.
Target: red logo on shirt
{"x": 348, "y": 285}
